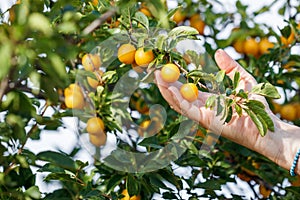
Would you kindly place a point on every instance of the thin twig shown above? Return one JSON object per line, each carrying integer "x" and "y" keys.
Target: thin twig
{"x": 186, "y": 72}
{"x": 97, "y": 22}
{"x": 3, "y": 86}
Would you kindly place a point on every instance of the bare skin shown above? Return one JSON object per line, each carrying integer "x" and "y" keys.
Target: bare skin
{"x": 279, "y": 146}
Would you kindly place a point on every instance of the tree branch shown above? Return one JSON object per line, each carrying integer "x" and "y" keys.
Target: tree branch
{"x": 97, "y": 22}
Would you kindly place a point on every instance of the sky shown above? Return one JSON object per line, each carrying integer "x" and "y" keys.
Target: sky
{"x": 65, "y": 138}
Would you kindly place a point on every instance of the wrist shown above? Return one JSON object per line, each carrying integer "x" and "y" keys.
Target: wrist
{"x": 281, "y": 145}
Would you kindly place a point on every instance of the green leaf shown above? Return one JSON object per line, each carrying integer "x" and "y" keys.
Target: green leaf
{"x": 22, "y": 160}
{"x": 141, "y": 18}
{"x": 204, "y": 76}
{"x": 57, "y": 159}
{"x": 90, "y": 193}
{"x": 264, "y": 125}
{"x": 238, "y": 109}
{"x": 48, "y": 85}
{"x": 132, "y": 185}
{"x": 187, "y": 160}
{"x": 167, "y": 174}
{"x": 242, "y": 94}
{"x": 61, "y": 194}
{"x": 220, "y": 76}
{"x": 156, "y": 180}
{"x": 158, "y": 10}
{"x": 241, "y": 8}
{"x": 210, "y": 101}
{"x": 256, "y": 120}
{"x": 294, "y": 190}
{"x": 267, "y": 90}
{"x": 210, "y": 185}
{"x": 229, "y": 115}
{"x": 33, "y": 192}
{"x": 152, "y": 142}
{"x": 281, "y": 11}
{"x": 5, "y": 58}
{"x": 17, "y": 127}
{"x": 264, "y": 9}
{"x": 220, "y": 108}
{"x": 50, "y": 122}
{"x": 114, "y": 181}
{"x": 108, "y": 75}
{"x": 172, "y": 11}
{"x": 160, "y": 42}
{"x": 51, "y": 168}
{"x": 67, "y": 28}
{"x": 195, "y": 58}
{"x": 35, "y": 78}
{"x": 39, "y": 22}
{"x": 169, "y": 195}
{"x": 258, "y": 108}
{"x": 236, "y": 79}
{"x": 286, "y": 31}
{"x": 255, "y": 103}
{"x": 58, "y": 66}
{"x": 65, "y": 177}
{"x": 181, "y": 31}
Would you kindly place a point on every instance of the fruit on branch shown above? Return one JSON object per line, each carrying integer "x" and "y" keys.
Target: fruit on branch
{"x": 127, "y": 197}
{"x": 98, "y": 140}
{"x": 197, "y": 23}
{"x": 189, "y": 91}
{"x": 264, "y": 45}
{"x": 91, "y": 62}
{"x": 170, "y": 73}
{"x": 251, "y": 47}
{"x": 74, "y": 98}
{"x": 178, "y": 16}
{"x": 95, "y": 126}
{"x": 143, "y": 58}
{"x": 95, "y": 82}
{"x": 126, "y": 53}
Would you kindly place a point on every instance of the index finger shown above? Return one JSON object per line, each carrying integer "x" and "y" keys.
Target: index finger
{"x": 225, "y": 62}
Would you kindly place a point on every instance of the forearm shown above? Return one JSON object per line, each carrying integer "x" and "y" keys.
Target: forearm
{"x": 282, "y": 145}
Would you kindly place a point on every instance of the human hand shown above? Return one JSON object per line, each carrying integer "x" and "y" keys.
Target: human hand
{"x": 240, "y": 129}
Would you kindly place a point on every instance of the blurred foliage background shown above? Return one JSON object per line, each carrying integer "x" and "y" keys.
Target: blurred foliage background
{"x": 42, "y": 44}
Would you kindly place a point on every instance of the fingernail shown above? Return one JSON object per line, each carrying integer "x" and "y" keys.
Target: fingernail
{"x": 218, "y": 55}
{"x": 219, "y": 51}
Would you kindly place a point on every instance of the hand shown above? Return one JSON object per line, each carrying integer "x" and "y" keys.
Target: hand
{"x": 241, "y": 130}
{"x": 238, "y": 128}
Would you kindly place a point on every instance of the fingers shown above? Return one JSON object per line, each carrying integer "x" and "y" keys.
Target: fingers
{"x": 189, "y": 109}
{"x": 166, "y": 93}
{"x": 171, "y": 92}
{"x": 195, "y": 110}
{"x": 225, "y": 62}
{"x": 176, "y": 93}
